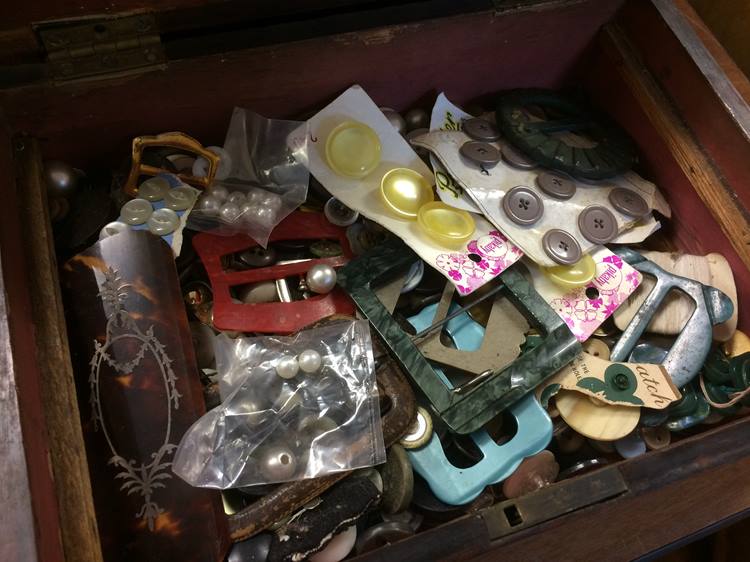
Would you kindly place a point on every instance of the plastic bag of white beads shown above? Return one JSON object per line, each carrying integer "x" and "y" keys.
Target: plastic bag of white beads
{"x": 292, "y": 408}
{"x": 264, "y": 177}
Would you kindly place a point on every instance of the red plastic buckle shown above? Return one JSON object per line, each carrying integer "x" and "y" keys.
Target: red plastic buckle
{"x": 274, "y": 317}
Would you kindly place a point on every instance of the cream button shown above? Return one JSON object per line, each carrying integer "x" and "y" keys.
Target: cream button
{"x": 163, "y": 222}
{"x": 136, "y": 211}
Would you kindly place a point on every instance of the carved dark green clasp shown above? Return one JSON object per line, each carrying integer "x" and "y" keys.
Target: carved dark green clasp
{"x": 466, "y": 408}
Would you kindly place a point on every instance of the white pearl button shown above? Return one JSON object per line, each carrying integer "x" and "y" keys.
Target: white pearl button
{"x": 229, "y": 212}
{"x": 209, "y": 205}
{"x": 112, "y": 228}
{"x": 153, "y": 189}
{"x": 179, "y": 198}
{"x": 321, "y": 278}
{"x": 219, "y": 192}
{"x": 136, "y": 211}
{"x": 309, "y": 361}
{"x": 200, "y": 166}
{"x": 163, "y": 222}
{"x": 287, "y": 367}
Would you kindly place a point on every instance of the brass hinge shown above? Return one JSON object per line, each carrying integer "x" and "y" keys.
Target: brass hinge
{"x": 95, "y": 48}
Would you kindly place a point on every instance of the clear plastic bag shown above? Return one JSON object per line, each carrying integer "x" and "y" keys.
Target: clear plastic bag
{"x": 267, "y": 178}
{"x": 273, "y": 429}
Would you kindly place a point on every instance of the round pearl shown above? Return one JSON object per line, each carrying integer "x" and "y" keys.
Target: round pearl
{"x": 321, "y": 278}
{"x": 236, "y": 197}
{"x": 62, "y": 179}
{"x": 229, "y": 212}
{"x": 417, "y": 119}
{"x": 287, "y": 367}
{"x": 200, "y": 166}
{"x": 260, "y": 215}
{"x": 136, "y": 211}
{"x": 309, "y": 361}
{"x": 278, "y": 464}
{"x": 163, "y": 222}
{"x": 209, "y": 205}
{"x": 272, "y": 201}
{"x": 254, "y": 196}
{"x": 153, "y": 189}
{"x": 179, "y": 198}
{"x": 112, "y": 228}
{"x": 219, "y": 192}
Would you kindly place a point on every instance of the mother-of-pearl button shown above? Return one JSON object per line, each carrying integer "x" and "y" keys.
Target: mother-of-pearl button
{"x": 163, "y": 222}
{"x": 153, "y": 189}
{"x": 112, "y": 228}
{"x": 179, "y": 198}
{"x": 136, "y": 211}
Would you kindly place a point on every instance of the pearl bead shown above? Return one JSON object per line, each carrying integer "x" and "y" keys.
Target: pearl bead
{"x": 200, "y": 166}
{"x": 254, "y": 196}
{"x": 236, "y": 197}
{"x": 417, "y": 119}
{"x": 62, "y": 179}
{"x": 309, "y": 361}
{"x": 272, "y": 201}
{"x": 179, "y": 198}
{"x": 260, "y": 215}
{"x": 209, "y": 205}
{"x": 163, "y": 222}
{"x": 278, "y": 464}
{"x": 395, "y": 119}
{"x": 229, "y": 212}
{"x": 321, "y": 278}
{"x": 287, "y": 367}
{"x": 219, "y": 192}
{"x": 136, "y": 211}
{"x": 112, "y": 228}
{"x": 153, "y": 189}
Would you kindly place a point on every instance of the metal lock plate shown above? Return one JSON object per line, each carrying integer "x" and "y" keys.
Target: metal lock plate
{"x": 275, "y": 317}
{"x": 464, "y": 409}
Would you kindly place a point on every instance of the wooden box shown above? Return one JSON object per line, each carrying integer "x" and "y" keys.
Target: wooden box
{"x": 652, "y": 64}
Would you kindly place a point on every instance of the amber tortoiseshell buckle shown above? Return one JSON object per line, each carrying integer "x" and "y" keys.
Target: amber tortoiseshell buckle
{"x": 172, "y": 140}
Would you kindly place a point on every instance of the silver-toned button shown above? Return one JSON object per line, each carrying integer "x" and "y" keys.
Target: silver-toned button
{"x": 136, "y": 211}
{"x": 523, "y": 206}
{"x": 597, "y": 224}
{"x": 555, "y": 185}
{"x": 153, "y": 189}
{"x": 163, "y": 222}
{"x": 628, "y": 202}
{"x": 480, "y": 153}
{"x": 516, "y": 158}
{"x": 561, "y": 247}
{"x": 481, "y": 130}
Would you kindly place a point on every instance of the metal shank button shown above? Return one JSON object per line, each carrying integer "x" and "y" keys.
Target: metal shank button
{"x": 523, "y": 206}
{"x": 556, "y": 186}
{"x": 480, "y": 153}
{"x": 628, "y": 202}
{"x": 597, "y": 224}
{"x": 481, "y": 130}
{"x": 561, "y": 247}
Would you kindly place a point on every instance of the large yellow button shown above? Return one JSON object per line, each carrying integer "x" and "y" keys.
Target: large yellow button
{"x": 572, "y": 276}
{"x": 404, "y": 191}
{"x": 353, "y": 149}
{"x": 449, "y": 226}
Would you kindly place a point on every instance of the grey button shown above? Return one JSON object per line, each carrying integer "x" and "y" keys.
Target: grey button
{"x": 516, "y": 158}
{"x": 481, "y": 130}
{"x": 257, "y": 257}
{"x": 480, "y": 153}
{"x": 628, "y": 202}
{"x": 561, "y": 247}
{"x": 523, "y": 206}
{"x": 556, "y": 186}
{"x": 597, "y": 224}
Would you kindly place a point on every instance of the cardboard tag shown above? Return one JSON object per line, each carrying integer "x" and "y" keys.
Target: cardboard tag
{"x": 491, "y": 250}
{"x": 621, "y": 384}
{"x": 614, "y": 281}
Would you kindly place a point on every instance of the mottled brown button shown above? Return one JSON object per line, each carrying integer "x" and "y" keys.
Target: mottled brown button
{"x": 629, "y": 202}
{"x": 480, "y": 153}
{"x": 523, "y": 206}
{"x": 597, "y": 224}
{"x": 656, "y": 437}
{"x": 556, "y": 186}
{"x": 481, "y": 130}
{"x": 561, "y": 247}
{"x": 532, "y": 474}
{"x": 516, "y": 158}
{"x": 398, "y": 481}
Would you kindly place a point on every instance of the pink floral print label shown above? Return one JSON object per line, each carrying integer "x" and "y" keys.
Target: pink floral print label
{"x": 484, "y": 259}
{"x": 585, "y": 308}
